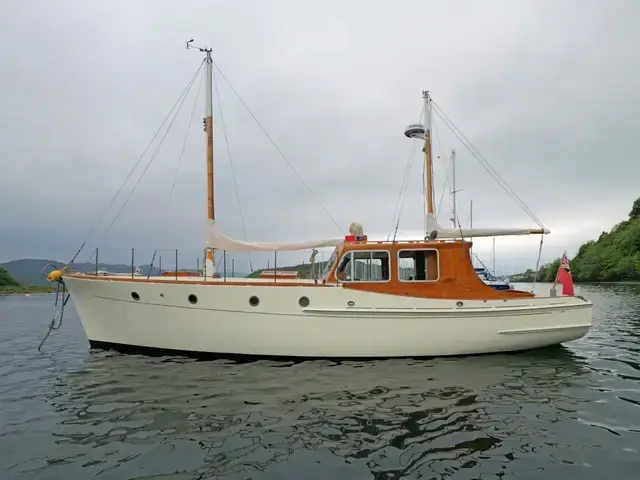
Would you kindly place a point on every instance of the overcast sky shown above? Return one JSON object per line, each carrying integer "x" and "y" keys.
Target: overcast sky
{"x": 546, "y": 90}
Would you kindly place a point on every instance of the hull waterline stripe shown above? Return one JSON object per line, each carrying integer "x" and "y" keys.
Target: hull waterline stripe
{"x": 519, "y": 331}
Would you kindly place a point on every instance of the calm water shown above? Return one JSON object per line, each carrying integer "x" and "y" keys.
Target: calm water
{"x": 566, "y": 412}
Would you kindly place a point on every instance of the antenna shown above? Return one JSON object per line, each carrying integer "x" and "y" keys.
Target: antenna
{"x": 205, "y": 50}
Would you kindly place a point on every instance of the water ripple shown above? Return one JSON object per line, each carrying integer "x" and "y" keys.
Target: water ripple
{"x": 567, "y": 411}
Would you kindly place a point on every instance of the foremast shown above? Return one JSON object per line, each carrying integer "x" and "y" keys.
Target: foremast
{"x": 209, "y": 262}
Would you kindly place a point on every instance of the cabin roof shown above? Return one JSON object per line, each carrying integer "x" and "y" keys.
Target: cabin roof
{"x": 387, "y": 245}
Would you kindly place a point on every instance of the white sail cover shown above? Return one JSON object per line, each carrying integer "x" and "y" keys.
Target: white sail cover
{"x": 218, "y": 240}
{"x": 484, "y": 232}
{"x": 444, "y": 233}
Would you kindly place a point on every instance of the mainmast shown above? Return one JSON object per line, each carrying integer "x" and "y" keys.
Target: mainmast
{"x": 423, "y": 132}
{"x": 209, "y": 263}
{"x": 454, "y": 213}
{"x": 427, "y": 150}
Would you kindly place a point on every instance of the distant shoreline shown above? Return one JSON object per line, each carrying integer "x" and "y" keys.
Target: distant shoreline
{"x": 23, "y": 289}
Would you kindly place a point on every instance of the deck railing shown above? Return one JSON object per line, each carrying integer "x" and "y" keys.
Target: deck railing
{"x": 273, "y": 271}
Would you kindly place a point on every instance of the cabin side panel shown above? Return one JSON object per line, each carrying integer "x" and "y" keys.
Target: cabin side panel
{"x": 424, "y": 270}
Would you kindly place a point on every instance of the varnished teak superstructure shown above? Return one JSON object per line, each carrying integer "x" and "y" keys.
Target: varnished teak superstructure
{"x": 374, "y": 299}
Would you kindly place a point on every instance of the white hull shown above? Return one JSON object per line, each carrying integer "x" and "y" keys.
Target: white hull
{"x": 224, "y": 322}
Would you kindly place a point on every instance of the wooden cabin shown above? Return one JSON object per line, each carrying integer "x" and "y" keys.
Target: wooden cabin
{"x": 423, "y": 268}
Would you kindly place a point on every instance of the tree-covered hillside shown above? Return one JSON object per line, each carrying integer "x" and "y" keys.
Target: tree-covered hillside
{"x": 9, "y": 285}
{"x": 614, "y": 256}
{"x": 7, "y": 280}
{"x": 546, "y": 273}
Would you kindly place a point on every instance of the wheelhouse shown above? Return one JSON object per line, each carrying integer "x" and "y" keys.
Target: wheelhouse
{"x": 424, "y": 268}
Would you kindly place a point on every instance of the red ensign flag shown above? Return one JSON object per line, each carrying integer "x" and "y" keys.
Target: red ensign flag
{"x": 564, "y": 276}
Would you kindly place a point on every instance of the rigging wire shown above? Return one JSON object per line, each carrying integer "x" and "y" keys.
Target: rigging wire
{"x": 425, "y": 203}
{"x": 535, "y": 275}
{"x": 405, "y": 183}
{"x": 481, "y": 262}
{"x": 442, "y": 157}
{"x": 233, "y": 172}
{"x": 184, "y": 97}
{"x": 403, "y": 191}
{"x": 403, "y": 187}
{"x": 484, "y": 163}
{"x": 446, "y": 183}
{"x": 496, "y": 176}
{"x": 138, "y": 162}
{"x": 278, "y": 149}
{"x": 186, "y": 136}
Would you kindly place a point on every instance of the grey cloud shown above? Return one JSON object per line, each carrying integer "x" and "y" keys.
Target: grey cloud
{"x": 546, "y": 91}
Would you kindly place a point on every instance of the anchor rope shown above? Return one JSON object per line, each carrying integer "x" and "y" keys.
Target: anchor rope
{"x": 57, "y": 316}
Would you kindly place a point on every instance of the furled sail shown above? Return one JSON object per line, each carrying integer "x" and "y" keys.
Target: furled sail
{"x": 444, "y": 233}
{"x": 218, "y": 240}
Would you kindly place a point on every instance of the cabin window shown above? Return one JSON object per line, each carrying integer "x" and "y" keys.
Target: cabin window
{"x": 421, "y": 265}
{"x": 364, "y": 266}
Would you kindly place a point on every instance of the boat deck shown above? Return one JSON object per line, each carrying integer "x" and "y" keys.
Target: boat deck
{"x": 199, "y": 279}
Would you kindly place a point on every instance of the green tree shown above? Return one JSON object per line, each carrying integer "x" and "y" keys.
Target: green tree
{"x": 7, "y": 280}
{"x": 552, "y": 270}
{"x": 635, "y": 209}
{"x": 614, "y": 256}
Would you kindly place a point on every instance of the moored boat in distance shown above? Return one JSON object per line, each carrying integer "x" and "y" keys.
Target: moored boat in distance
{"x": 491, "y": 280}
{"x": 394, "y": 298}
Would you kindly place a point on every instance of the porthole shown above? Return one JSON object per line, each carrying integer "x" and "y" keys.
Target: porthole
{"x": 193, "y": 299}
{"x": 254, "y": 301}
{"x": 351, "y": 303}
{"x": 135, "y": 296}
{"x": 304, "y": 302}
{"x": 459, "y": 304}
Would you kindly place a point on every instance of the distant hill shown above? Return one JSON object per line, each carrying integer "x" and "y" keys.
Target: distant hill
{"x": 614, "y": 256}
{"x": 304, "y": 269}
{"x": 28, "y": 270}
{"x": 6, "y": 280}
{"x": 9, "y": 285}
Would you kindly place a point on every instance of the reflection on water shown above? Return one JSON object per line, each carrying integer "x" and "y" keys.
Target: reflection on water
{"x": 564, "y": 411}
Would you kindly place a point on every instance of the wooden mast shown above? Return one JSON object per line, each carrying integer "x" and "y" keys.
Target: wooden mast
{"x": 431, "y": 264}
{"x": 209, "y": 261}
{"x": 428, "y": 157}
